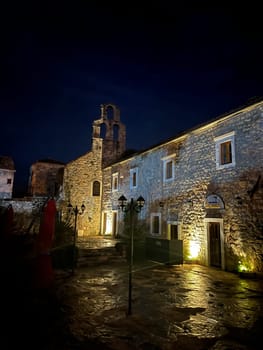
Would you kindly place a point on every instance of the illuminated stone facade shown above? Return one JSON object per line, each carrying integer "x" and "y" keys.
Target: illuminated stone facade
{"x": 83, "y": 177}
{"x": 204, "y": 187}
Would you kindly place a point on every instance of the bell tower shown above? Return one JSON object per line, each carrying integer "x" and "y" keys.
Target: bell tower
{"x": 109, "y": 134}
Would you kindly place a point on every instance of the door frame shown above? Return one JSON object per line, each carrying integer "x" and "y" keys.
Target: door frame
{"x": 222, "y": 241}
{"x": 109, "y": 223}
{"x": 114, "y": 230}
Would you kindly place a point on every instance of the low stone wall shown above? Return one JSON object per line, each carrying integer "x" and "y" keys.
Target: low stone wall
{"x": 27, "y": 212}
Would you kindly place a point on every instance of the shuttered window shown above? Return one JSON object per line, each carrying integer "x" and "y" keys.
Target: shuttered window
{"x": 225, "y": 152}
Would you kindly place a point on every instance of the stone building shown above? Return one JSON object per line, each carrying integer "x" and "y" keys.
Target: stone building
{"x": 46, "y": 178}
{"x": 83, "y": 177}
{"x": 7, "y": 173}
{"x": 203, "y": 187}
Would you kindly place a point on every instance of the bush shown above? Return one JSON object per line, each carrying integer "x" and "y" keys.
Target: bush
{"x": 64, "y": 234}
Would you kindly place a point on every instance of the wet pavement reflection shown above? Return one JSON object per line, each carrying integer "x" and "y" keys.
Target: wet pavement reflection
{"x": 173, "y": 307}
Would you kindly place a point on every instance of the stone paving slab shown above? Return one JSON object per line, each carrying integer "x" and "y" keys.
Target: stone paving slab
{"x": 173, "y": 307}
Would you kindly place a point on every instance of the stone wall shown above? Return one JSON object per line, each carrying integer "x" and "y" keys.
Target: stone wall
{"x": 27, "y": 213}
{"x": 46, "y": 178}
{"x": 196, "y": 177}
{"x": 79, "y": 177}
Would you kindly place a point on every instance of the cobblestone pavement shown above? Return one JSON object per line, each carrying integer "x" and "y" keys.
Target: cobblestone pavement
{"x": 173, "y": 307}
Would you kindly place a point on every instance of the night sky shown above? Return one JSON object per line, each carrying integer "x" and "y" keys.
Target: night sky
{"x": 167, "y": 69}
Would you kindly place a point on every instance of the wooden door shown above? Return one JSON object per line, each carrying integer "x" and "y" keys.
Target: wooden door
{"x": 215, "y": 244}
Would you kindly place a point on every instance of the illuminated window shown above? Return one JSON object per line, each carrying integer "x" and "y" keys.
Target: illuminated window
{"x": 96, "y": 188}
{"x": 168, "y": 168}
{"x": 115, "y": 182}
{"x": 155, "y": 224}
{"x": 133, "y": 178}
{"x": 225, "y": 151}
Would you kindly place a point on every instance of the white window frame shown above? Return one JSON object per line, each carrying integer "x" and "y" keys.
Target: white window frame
{"x": 115, "y": 177}
{"x": 176, "y": 223}
{"x": 151, "y": 224}
{"x": 132, "y": 172}
{"x": 230, "y": 137}
{"x": 167, "y": 160}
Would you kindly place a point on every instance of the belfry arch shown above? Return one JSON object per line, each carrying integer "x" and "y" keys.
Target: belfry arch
{"x": 109, "y": 134}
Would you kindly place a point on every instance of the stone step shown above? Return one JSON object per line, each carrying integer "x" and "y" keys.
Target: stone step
{"x": 96, "y": 242}
{"x": 97, "y": 251}
{"x": 98, "y": 256}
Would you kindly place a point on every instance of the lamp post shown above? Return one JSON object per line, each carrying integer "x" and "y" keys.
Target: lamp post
{"x": 132, "y": 207}
{"x": 75, "y": 211}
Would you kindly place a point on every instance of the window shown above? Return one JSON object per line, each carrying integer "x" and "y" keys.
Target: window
{"x": 133, "y": 178}
{"x": 9, "y": 181}
{"x": 115, "y": 182}
{"x": 225, "y": 151}
{"x": 168, "y": 168}
{"x": 173, "y": 230}
{"x": 155, "y": 224}
{"x": 96, "y": 188}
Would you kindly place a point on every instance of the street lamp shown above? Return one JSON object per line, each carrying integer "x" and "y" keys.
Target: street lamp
{"x": 132, "y": 207}
{"x": 76, "y": 211}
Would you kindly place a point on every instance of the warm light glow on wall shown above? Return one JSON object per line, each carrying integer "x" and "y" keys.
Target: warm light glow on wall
{"x": 246, "y": 262}
{"x": 245, "y": 266}
{"x": 194, "y": 250}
